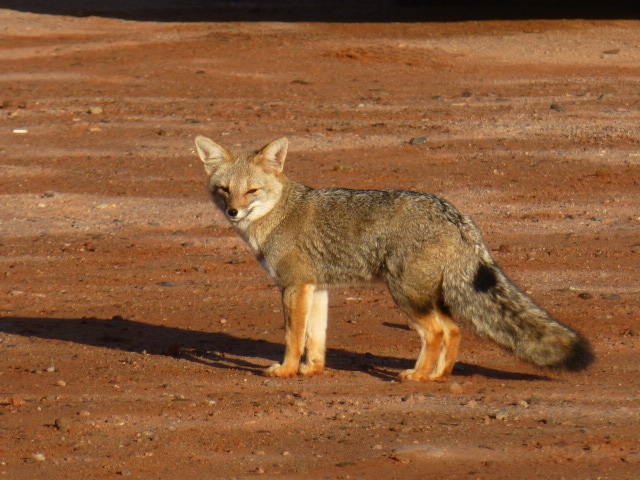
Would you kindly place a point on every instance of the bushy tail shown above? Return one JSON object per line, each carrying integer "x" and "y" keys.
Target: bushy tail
{"x": 476, "y": 290}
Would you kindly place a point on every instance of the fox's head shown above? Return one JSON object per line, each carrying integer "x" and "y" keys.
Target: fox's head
{"x": 244, "y": 186}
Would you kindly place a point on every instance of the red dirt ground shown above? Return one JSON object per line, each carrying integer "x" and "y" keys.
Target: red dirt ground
{"x": 134, "y": 323}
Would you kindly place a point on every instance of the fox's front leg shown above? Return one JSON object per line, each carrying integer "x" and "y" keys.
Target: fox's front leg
{"x": 297, "y": 302}
{"x": 316, "y": 334}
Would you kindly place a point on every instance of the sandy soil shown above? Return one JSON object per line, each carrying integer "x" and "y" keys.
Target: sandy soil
{"x": 134, "y": 324}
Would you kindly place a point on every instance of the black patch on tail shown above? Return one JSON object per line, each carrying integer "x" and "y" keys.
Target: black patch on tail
{"x": 580, "y": 356}
{"x": 485, "y": 278}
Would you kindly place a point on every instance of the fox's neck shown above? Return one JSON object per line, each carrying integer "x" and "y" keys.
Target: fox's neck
{"x": 255, "y": 233}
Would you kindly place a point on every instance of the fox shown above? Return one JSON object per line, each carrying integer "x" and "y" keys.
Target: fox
{"x": 431, "y": 256}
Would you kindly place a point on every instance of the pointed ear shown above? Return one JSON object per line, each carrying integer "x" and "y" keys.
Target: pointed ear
{"x": 272, "y": 155}
{"x": 211, "y": 154}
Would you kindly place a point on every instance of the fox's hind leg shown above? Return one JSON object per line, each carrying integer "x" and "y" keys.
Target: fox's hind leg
{"x": 416, "y": 289}
{"x": 449, "y": 352}
{"x": 316, "y": 334}
{"x": 432, "y": 336}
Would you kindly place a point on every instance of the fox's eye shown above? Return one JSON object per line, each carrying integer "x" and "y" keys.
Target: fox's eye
{"x": 251, "y": 191}
{"x": 223, "y": 189}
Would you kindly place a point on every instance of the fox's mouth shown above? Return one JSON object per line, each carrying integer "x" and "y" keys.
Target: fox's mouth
{"x": 248, "y": 214}
{"x": 236, "y": 216}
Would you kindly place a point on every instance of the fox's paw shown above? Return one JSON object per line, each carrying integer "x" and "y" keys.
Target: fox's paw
{"x": 310, "y": 369}
{"x": 277, "y": 370}
{"x": 440, "y": 378}
{"x": 412, "y": 375}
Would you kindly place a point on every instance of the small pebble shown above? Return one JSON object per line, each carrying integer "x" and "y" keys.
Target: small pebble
{"x": 62, "y": 424}
{"x": 38, "y": 457}
{"x": 456, "y": 388}
{"x": 342, "y": 168}
{"x": 418, "y": 141}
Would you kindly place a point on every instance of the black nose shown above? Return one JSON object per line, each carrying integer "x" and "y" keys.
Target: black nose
{"x": 232, "y": 212}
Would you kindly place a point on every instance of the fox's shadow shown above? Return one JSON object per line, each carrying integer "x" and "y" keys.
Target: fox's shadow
{"x": 216, "y": 349}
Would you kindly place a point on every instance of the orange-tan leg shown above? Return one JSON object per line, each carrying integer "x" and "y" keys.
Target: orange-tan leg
{"x": 432, "y": 338}
{"x": 297, "y": 302}
{"x": 316, "y": 334}
{"x": 449, "y": 351}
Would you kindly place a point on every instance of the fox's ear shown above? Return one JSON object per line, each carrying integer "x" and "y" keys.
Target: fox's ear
{"x": 211, "y": 154}
{"x": 273, "y": 154}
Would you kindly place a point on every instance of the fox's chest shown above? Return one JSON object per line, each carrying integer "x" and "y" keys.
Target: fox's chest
{"x": 256, "y": 244}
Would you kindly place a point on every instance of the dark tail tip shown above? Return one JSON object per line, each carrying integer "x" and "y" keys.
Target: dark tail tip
{"x": 580, "y": 356}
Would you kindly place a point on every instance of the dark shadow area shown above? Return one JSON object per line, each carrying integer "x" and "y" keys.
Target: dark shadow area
{"x": 398, "y": 326}
{"x": 345, "y": 11}
{"x": 215, "y": 349}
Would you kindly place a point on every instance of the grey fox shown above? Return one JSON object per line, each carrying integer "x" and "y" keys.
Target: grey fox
{"x": 431, "y": 256}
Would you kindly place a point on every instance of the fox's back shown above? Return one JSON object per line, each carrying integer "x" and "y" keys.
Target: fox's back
{"x": 348, "y": 235}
